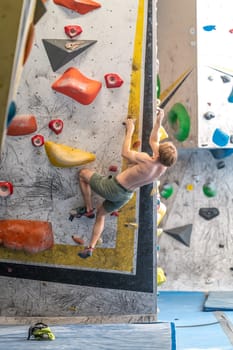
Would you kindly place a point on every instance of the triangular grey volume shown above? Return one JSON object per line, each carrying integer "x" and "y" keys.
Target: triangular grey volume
{"x": 61, "y": 51}
{"x": 39, "y": 11}
{"x": 181, "y": 234}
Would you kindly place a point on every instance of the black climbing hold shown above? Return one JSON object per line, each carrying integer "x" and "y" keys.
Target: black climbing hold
{"x": 225, "y": 78}
{"x": 221, "y": 164}
{"x": 231, "y": 138}
{"x": 209, "y": 115}
{"x": 221, "y": 245}
{"x": 181, "y": 234}
{"x": 208, "y": 213}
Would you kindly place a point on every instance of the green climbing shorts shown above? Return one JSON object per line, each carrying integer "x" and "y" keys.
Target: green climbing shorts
{"x": 114, "y": 194}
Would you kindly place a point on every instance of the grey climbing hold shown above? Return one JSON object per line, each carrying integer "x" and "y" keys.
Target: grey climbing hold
{"x": 61, "y": 51}
{"x": 209, "y": 115}
{"x": 181, "y": 234}
{"x": 225, "y": 78}
{"x": 208, "y": 213}
{"x": 221, "y": 164}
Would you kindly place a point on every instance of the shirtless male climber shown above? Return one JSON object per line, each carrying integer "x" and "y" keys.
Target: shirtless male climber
{"x": 118, "y": 190}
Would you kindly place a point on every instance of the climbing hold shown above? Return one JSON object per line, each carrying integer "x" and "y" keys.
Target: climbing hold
{"x": 80, "y": 6}
{"x": 61, "y": 51}
{"x": 161, "y": 277}
{"x": 158, "y": 87}
{"x": 6, "y": 189}
{"x": 113, "y": 80}
{"x": 162, "y": 133}
{"x": 221, "y": 164}
{"x": 77, "y": 86}
{"x": 56, "y": 125}
{"x": 209, "y": 28}
{"x": 136, "y": 144}
{"x": 221, "y": 153}
{"x": 161, "y": 212}
{"x": 115, "y": 213}
{"x": 113, "y": 168}
{"x": 27, "y": 235}
{"x": 209, "y": 189}
{"x": 220, "y": 138}
{"x": 208, "y": 213}
{"x": 181, "y": 234}
{"x": 225, "y": 78}
{"x": 209, "y": 115}
{"x": 230, "y": 97}
{"x": 159, "y": 232}
{"x": 40, "y": 10}
{"x": 65, "y": 156}
{"x": 72, "y": 30}
{"x": 37, "y": 140}
{"x": 189, "y": 187}
{"x": 167, "y": 191}
{"x": 231, "y": 138}
{"x": 78, "y": 240}
{"x": 22, "y": 125}
{"x": 11, "y": 112}
{"x": 178, "y": 117}
{"x": 131, "y": 224}
{"x": 29, "y": 42}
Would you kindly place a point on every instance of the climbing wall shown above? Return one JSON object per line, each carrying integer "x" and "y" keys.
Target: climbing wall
{"x": 195, "y": 209}
{"x": 215, "y": 40}
{"x": 39, "y": 167}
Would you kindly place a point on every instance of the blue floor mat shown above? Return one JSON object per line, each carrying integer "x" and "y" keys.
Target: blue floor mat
{"x": 219, "y": 301}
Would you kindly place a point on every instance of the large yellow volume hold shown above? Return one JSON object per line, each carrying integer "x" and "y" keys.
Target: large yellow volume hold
{"x": 65, "y": 156}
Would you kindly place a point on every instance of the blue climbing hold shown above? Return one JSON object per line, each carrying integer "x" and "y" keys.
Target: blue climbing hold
{"x": 230, "y": 97}
{"x": 209, "y": 28}
{"x": 220, "y": 153}
{"x": 220, "y": 138}
{"x": 11, "y": 112}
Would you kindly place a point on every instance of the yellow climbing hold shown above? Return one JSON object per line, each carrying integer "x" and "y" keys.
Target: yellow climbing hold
{"x": 189, "y": 187}
{"x": 161, "y": 277}
{"x": 161, "y": 212}
{"x": 65, "y": 156}
{"x": 162, "y": 133}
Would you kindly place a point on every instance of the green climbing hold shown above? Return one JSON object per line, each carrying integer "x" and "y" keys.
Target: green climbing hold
{"x": 179, "y": 120}
{"x": 166, "y": 191}
{"x": 158, "y": 87}
{"x": 209, "y": 189}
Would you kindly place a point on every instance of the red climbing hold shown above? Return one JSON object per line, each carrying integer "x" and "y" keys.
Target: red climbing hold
{"x": 6, "y": 188}
{"x": 56, "y": 125}
{"x": 113, "y": 168}
{"x": 73, "y": 30}
{"x": 113, "y": 80}
{"x": 38, "y": 140}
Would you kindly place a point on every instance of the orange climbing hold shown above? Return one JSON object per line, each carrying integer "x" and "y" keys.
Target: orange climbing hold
{"x": 30, "y": 236}
{"x": 80, "y": 6}
{"x": 77, "y": 86}
{"x": 22, "y": 125}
